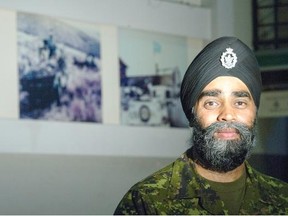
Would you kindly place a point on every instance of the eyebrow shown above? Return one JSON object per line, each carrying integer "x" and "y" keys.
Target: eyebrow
{"x": 217, "y": 92}
{"x": 241, "y": 94}
{"x": 210, "y": 93}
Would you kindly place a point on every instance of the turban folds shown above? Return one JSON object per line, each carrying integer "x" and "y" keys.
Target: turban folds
{"x": 225, "y": 56}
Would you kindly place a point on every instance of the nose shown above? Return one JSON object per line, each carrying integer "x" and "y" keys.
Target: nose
{"x": 227, "y": 113}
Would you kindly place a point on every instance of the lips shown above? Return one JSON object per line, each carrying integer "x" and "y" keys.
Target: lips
{"x": 227, "y": 134}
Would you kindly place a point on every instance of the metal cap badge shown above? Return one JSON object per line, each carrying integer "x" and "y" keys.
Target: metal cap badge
{"x": 228, "y": 58}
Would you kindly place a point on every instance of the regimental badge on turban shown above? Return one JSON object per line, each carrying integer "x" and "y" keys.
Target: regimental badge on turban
{"x": 228, "y": 58}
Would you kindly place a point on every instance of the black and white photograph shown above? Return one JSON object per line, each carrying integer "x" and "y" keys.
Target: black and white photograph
{"x": 151, "y": 69}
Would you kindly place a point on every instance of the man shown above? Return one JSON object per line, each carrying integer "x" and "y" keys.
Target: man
{"x": 220, "y": 95}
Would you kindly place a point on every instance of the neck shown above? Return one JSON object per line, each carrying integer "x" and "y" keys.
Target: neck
{"x": 220, "y": 177}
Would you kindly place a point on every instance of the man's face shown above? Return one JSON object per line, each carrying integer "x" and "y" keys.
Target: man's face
{"x": 225, "y": 99}
{"x": 224, "y": 124}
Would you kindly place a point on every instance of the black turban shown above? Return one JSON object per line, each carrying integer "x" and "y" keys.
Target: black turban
{"x": 225, "y": 56}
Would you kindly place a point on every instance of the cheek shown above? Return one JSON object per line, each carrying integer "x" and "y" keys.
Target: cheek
{"x": 206, "y": 118}
{"x": 248, "y": 118}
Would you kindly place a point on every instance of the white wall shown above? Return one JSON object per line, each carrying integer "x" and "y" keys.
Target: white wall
{"x": 40, "y": 137}
{"x": 149, "y": 15}
{"x": 231, "y": 18}
{"x": 243, "y": 21}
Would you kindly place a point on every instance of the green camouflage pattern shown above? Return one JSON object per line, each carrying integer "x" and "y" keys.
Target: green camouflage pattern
{"x": 178, "y": 190}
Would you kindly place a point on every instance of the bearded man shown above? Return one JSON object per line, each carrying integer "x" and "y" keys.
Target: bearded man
{"x": 220, "y": 95}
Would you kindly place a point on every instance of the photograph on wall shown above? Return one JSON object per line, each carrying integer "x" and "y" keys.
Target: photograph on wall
{"x": 59, "y": 66}
{"x": 151, "y": 69}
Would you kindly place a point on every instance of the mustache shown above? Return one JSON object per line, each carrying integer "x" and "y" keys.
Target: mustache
{"x": 212, "y": 128}
{"x": 239, "y": 127}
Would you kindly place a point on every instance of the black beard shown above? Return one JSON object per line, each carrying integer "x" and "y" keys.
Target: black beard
{"x": 221, "y": 155}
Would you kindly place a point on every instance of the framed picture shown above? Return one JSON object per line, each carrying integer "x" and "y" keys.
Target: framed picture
{"x": 151, "y": 69}
{"x": 59, "y": 66}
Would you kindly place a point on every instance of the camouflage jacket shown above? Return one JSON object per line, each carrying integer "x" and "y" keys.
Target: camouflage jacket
{"x": 177, "y": 189}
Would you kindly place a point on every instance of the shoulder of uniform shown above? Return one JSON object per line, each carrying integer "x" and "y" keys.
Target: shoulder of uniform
{"x": 160, "y": 179}
{"x": 267, "y": 182}
{"x": 156, "y": 180}
{"x": 270, "y": 180}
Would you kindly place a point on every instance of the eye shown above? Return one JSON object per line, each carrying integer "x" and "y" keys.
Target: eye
{"x": 211, "y": 104}
{"x": 241, "y": 104}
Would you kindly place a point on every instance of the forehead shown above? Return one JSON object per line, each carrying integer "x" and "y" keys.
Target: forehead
{"x": 227, "y": 84}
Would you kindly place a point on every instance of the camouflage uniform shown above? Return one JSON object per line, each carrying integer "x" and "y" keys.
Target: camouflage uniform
{"x": 177, "y": 189}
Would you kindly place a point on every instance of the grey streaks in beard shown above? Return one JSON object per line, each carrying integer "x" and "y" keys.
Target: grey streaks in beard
{"x": 222, "y": 155}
